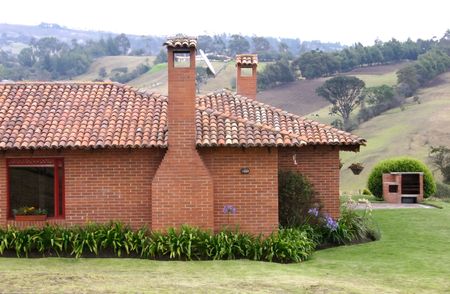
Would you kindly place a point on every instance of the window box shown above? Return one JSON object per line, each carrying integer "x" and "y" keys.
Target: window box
{"x": 31, "y": 218}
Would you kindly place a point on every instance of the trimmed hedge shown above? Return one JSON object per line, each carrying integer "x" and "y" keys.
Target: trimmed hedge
{"x": 400, "y": 164}
{"x": 186, "y": 243}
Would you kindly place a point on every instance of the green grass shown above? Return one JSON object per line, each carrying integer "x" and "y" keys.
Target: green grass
{"x": 411, "y": 257}
{"x": 110, "y": 62}
{"x": 389, "y": 79}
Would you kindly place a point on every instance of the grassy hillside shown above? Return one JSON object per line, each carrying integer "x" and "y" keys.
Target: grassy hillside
{"x": 399, "y": 132}
{"x": 373, "y": 76}
{"x": 156, "y": 78}
{"x": 300, "y": 96}
{"x": 111, "y": 62}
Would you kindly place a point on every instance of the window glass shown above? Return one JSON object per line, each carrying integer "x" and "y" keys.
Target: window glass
{"x": 182, "y": 59}
{"x": 32, "y": 186}
{"x": 246, "y": 71}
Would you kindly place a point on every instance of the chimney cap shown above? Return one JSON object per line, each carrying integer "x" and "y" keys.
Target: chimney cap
{"x": 247, "y": 59}
{"x": 181, "y": 41}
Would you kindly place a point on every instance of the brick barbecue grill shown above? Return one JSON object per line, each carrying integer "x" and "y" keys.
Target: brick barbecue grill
{"x": 403, "y": 187}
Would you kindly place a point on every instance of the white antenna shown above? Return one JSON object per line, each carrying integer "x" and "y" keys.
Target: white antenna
{"x": 208, "y": 63}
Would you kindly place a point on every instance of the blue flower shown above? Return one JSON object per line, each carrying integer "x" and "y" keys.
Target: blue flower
{"x": 229, "y": 209}
{"x": 331, "y": 223}
{"x": 313, "y": 211}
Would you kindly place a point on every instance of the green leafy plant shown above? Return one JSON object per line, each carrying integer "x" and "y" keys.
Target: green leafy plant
{"x": 185, "y": 243}
{"x": 295, "y": 197}
{"x": 401, "y": 164}
{"x": 29, "y": 210}
{"x": 366, "y": 192}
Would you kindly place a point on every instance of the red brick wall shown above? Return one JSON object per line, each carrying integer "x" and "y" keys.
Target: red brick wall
{"x": 321, "y": 166}
{"x": 254, "y": 195}
{"x": 100, "y": 185}
{"x": 182, "y": 188}
{"x": 246, "y": 85}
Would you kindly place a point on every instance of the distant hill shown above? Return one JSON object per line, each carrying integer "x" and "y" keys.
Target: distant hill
{"x": 14, "y": 36}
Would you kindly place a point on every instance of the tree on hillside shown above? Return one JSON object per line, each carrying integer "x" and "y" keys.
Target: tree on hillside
{"x": 26, "y": 57}
{"x": 407, "y": 82}
{"x": 122, "y": 44}
{"x": 238, "y": 45}
{"x": 440, "y": 157}
{"x": 345, "y": 93}
{"x": 161, "y": 57}
{"x": 260, "y": 44}
{"x": 205, "y": 43}
{"x": 218, "y": 46}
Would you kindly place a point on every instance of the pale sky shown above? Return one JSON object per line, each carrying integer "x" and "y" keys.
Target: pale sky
{"x": 345, "y": 21}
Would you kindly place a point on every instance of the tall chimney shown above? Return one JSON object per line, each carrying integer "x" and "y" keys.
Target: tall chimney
{"x": 246, "y": 75}
{"x": 182, "y": 189}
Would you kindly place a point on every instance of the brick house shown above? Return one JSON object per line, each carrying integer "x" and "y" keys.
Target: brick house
{"x": 90, "y": 151}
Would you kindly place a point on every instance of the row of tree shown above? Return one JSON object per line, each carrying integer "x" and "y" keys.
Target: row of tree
{"x": 317, "y": 63}
{"x": 431, "y": 56}
{"x": 420, "y": 72}
{"x": 49, "y": 58}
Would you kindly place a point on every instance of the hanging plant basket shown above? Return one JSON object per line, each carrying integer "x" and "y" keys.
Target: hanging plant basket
{"x": 356, "y": 168}
{"x": 340, "y": 164}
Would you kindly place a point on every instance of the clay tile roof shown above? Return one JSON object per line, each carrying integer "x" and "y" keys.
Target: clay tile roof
{"x": 181, "y": 41}
{"x": 227, "y": 119}
{"x": 44, "y": 115}
{"x": 247, "y": 59}
{"x": 37, "y": 115}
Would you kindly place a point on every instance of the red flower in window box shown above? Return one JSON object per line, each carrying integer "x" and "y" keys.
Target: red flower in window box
{"x": 30, "y": 214}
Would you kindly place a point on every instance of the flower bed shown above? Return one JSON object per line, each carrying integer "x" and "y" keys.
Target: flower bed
{"x": 186, "y": 243}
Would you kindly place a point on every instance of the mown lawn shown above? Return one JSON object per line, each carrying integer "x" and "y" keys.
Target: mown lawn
{"x": 413, "y": 256}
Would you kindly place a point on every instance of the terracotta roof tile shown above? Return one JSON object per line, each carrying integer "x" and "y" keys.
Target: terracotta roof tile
{"x": 37, "y": 115}
{"x": 181, "y": 41}
{"x": 239, "y": 121}
{"x": 247, "y": 59}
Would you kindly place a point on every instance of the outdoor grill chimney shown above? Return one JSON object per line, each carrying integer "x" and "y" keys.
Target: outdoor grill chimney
{"x": 246, "y": 75}
{"x": 182, "y": 189}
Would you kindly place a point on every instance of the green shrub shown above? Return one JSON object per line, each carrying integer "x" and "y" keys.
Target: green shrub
{"x": 295, "y": 198}
{"x": 442, "y": 190}
{"x": 367, "y": 192}
{"x": 289, "y": 245}
{"x": 401, "y": 164}
{"x": 185, "y": 243}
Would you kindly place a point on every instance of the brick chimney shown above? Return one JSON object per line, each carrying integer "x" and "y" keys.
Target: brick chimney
{"x": 246, "y": 75}
{"x": 182, "y": 189}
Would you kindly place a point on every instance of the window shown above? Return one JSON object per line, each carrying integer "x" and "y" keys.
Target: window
{"x": 246, "y": 71}
{"x": 37, "y": 182}
{"x": 182, "y": 59}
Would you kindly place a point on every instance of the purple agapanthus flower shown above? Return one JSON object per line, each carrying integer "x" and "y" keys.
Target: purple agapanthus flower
{"x": 331, "y": 223}
{"x": 314, "y": 211}
{"x": 229, "y": 209}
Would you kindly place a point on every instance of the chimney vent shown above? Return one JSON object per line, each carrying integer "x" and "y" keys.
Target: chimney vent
{"x": 246, "y": 75}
